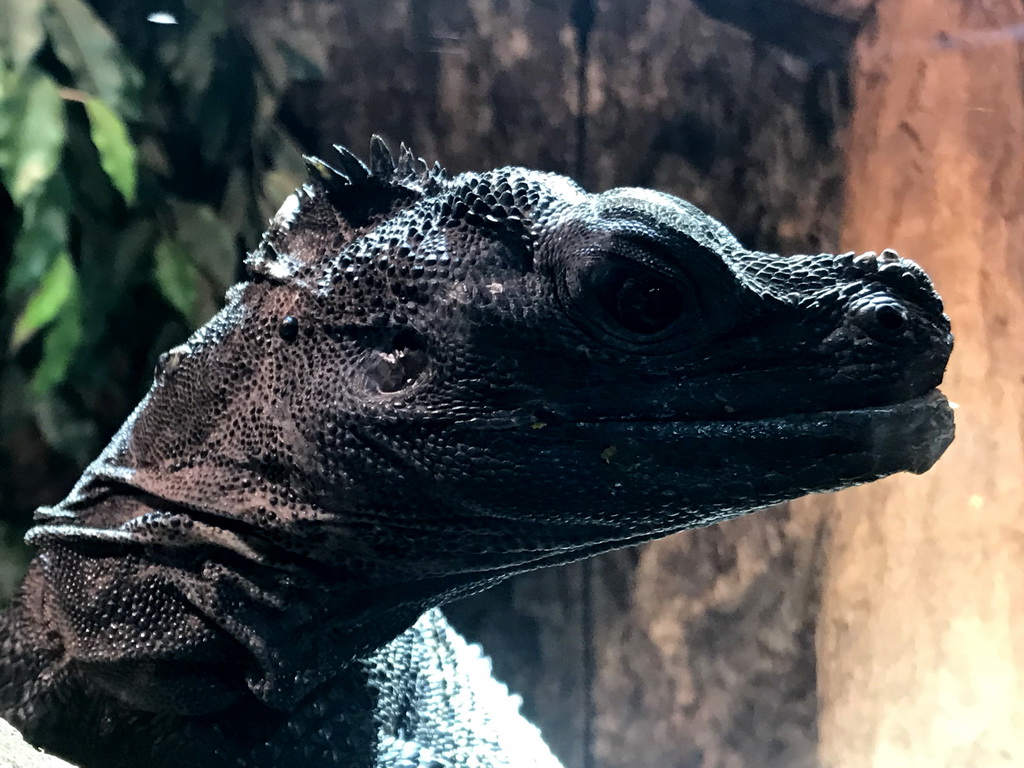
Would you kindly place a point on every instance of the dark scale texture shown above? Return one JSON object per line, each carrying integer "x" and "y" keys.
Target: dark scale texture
{"x": 429, "y": 384}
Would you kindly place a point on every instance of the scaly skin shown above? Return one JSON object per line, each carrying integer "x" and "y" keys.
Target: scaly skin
{"x": 427, "y": 385}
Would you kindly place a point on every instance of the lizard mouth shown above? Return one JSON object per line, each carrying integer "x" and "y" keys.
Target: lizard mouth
{"x": 819, "y": 450}
{"x": 914, "y": 433}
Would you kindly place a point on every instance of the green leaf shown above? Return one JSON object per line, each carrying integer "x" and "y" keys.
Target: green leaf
{"x": 153, "y": 155}
{"x": 56, "y": 289}
{"x": 176, "y": 276}
{"x": 132, "y": 256}
{"x": 288, "y": 53}
{"x": 209, "y": 243}
{"x": 114, "y": 145}
{"x": 32, "y": 133}
{"x": 222, "y": 114}
{"x": 21, "y": 31}
{"x": 87, "y": 48}
{"x": 237, "y": 202}
{"x": 277, "y": 185}
{"x": 42, "y": 237}
{"x": 65, "y": 428}
{"x": 59, "y": 345}
{"x": 192, "y": 59}
{"x": 287, "y": 169}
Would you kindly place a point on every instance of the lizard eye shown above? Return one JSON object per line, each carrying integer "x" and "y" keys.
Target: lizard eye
{"x": 640, "y": 302}
{"x": 632, "y": 298}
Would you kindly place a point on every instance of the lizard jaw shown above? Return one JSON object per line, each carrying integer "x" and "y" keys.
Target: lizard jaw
{"x": 872, "y": 442}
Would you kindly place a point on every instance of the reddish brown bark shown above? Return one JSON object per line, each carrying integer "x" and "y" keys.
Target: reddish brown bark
{"x": 921, "y": 637}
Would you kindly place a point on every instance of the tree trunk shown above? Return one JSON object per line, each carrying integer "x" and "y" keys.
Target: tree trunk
{"x": 705, "y": 659}
{"x": 921, "y": 637}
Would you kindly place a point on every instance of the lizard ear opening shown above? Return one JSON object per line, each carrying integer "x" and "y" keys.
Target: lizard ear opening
{"x": 399, "y": 366}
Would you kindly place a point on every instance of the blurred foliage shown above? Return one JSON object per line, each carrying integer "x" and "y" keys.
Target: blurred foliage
{"x": 136, "y": 167}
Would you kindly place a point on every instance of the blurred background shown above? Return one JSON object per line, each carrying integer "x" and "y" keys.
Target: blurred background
{"x": 144, "y": 145}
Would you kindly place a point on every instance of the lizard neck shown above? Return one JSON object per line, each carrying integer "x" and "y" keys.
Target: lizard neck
{"x": 112, "y": 712}
{"x": 189, "y": 617}
{"x": 34, "y": 676}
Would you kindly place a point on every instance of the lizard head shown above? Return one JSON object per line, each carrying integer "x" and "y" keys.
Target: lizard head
{"x": 464, "y": 368}
{"x": 432, "y": 382}
{"x": 501, "y": 363}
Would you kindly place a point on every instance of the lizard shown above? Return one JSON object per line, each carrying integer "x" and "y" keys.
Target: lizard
{"x": 428, "y": 383}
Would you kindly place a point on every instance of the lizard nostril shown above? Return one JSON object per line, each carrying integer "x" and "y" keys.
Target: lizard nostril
{"x": 890, "y": 318}
{"x": 881, "y": 318}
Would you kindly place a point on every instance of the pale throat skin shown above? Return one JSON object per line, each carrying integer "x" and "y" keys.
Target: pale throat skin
{"x": 428, "y": 384}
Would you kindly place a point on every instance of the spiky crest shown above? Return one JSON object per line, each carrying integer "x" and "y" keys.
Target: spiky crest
{"x": 346, "y": 200}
